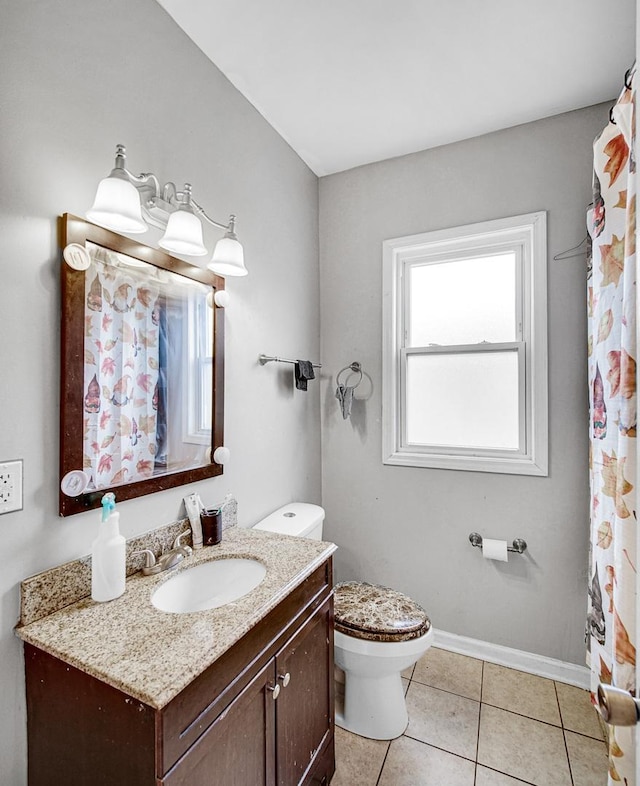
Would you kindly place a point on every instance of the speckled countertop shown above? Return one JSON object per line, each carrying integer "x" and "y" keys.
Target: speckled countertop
{"x": 152, "y": 655}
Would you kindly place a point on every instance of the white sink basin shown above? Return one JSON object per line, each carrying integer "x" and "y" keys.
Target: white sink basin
{"x": 209, "y": 585}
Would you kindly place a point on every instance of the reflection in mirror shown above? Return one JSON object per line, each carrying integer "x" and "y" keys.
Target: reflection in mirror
{"x": 144, "y": 340}
{"x": 148, "y": 352}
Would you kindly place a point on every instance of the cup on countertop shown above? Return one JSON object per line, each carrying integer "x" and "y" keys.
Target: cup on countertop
{"x": 211, "y": 521}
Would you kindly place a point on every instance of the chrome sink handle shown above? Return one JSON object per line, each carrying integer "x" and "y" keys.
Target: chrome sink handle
{"x": 177, "y": 544}
{"x": 171, "y": 559}
{"x": 150, "y": 565}
{"x": 168, "y": 561}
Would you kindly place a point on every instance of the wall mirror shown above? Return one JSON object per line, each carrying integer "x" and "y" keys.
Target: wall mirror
{"x": 142, "y": 368}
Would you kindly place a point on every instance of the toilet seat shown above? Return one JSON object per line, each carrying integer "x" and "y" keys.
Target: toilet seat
{"x": 375, "y": 613}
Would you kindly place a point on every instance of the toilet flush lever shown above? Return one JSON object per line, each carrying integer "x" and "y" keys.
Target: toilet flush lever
{"x": 618, "y": 707}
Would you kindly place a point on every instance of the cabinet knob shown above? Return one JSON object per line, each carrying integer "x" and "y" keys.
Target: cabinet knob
{"x": 275, "y": 690}
{"x": 286, "y": 679}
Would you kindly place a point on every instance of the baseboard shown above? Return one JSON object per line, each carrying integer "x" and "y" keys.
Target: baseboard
{"x": 550, "y": 668}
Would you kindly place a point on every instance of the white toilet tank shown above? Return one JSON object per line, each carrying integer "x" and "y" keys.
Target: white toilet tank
{"x": 301, "y": 519}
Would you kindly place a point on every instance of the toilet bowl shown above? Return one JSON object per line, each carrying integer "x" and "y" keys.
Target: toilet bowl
{"x": 378, "y": 633}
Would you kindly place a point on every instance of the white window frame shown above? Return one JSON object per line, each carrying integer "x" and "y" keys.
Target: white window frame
{"x": 524, "y": 235}
{"x": 198, "y": 370}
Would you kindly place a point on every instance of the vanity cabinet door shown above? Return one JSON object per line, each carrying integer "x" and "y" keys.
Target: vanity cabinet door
{"x": 238, "y": 747}
{"x": 304, "y": 709}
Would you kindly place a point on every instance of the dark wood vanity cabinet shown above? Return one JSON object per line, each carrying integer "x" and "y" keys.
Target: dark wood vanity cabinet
{"x": 264, "y": 737}
{"x": 262, "y": 714}
{"x": 304, "y": 705}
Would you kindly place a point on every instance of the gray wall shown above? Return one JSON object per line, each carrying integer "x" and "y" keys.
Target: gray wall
{"x": 408, "y": 527}
{"x": 78, "y": 77}
{"x": 75, "y": 79}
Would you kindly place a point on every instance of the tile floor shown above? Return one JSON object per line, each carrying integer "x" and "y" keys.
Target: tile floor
{"x": 473, "y": 723}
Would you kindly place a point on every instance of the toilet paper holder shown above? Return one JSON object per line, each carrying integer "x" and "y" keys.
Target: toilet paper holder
{"x": 519, "y": 545}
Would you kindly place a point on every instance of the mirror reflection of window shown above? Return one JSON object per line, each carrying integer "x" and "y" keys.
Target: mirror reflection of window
{"x": 141, "y": 323}
{"x": 199, "y": 371}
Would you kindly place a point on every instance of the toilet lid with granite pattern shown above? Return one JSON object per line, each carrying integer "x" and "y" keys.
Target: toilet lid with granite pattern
{"x": 369, "y": 611}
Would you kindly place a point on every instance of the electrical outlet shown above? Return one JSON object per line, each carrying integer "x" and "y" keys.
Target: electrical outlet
{"x": 10, "y": 486}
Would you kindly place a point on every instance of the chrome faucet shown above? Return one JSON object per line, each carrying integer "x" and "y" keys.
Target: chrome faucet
{"x": 167, "y": 561}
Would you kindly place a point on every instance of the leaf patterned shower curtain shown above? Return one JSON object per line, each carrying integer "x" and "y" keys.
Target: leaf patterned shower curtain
{"x": 121, "y": 366}
{"x": 611, "y": 628}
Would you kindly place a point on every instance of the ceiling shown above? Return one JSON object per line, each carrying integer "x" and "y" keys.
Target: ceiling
{"x": 348, "y": 82}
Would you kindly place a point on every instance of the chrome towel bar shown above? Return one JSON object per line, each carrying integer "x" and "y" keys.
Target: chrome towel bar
{"x": 268, "y": 359}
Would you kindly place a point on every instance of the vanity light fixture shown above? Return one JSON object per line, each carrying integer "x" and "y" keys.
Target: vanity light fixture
{"x": 128, "y": 203}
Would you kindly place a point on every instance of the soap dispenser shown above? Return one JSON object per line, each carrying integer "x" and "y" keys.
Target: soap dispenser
{"x": 108, "y": 555}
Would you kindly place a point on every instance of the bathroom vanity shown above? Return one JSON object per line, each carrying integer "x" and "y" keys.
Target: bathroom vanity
{"x": 116, "y": 693}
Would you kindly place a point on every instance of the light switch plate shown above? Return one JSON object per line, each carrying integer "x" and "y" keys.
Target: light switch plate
{"x": 10, "y": 486}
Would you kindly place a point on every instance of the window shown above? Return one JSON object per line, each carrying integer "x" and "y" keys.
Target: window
{"x": 465, "y": 348}
{"x": 198, "y": 360}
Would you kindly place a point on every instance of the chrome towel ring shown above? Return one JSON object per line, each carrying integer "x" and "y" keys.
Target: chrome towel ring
{"x": 356, "y": 368}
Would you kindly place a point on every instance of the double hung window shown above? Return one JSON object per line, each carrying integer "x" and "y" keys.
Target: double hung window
{"x": 198, "y": 370}
{"x": 465, "y": 353}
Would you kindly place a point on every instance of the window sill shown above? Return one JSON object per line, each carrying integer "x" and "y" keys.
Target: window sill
{"x": 502, "y": 466}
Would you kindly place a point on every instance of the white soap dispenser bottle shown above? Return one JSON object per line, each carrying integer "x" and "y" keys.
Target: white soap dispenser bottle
{"x": 108, "y": 555}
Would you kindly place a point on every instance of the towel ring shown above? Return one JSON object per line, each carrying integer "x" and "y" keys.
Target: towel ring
{"x": 355, "y": 367}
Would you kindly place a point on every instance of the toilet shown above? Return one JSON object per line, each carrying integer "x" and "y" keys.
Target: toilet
{"x": 378, "y": 633}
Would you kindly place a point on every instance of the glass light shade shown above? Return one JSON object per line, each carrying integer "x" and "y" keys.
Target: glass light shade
{"x": 228, "y": 258}
{"x": 183, "y": 234}
{"x": 117, "y": 206}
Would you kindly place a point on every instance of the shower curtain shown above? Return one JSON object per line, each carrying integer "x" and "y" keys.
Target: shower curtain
{"x": 121, "y": 368}
{"x": 611, "y": 632}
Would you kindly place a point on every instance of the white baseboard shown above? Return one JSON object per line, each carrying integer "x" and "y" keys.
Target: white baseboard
{"x": 550, "y": 668}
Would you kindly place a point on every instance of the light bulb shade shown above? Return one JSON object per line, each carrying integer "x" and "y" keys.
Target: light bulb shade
{"x": 183, "y": 234}
{"x": 117, "y": 206}
{"x": 228, "y": 258}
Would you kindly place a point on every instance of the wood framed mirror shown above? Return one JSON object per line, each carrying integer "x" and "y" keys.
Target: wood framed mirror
{"x": 142, "y": 368}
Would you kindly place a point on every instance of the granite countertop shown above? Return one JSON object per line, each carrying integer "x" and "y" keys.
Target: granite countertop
{"x": 152, "y": 655}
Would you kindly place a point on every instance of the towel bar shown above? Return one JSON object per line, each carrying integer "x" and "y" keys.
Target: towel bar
{"x": 268, "y": 359}
{"x": 519, "y": 545}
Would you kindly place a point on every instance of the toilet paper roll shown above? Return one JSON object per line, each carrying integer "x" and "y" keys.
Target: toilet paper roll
{"x": 495, "y": 549}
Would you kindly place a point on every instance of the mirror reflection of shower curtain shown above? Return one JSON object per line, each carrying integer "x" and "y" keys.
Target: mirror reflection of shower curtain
{"x": 161, "y": 428}
{"x": 121, "y": 367}
{"x": 611, "y": 630}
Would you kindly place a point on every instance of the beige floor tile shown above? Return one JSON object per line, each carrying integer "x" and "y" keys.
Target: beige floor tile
{"x": 358, "y": 760}
{"x": 519, "y": 692}
{"x": 486, "y": 777}
{"x": 405, "y": 684}
{"x": 443, "y": 719}
{"x": 407, "y": 673}
{"x": 523, "y": 748}
{"x": 412, "y": 763}
{"x": 588, "y": 760}
{"x": 450, "y": 671}
{"x": 578, "y": 714}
